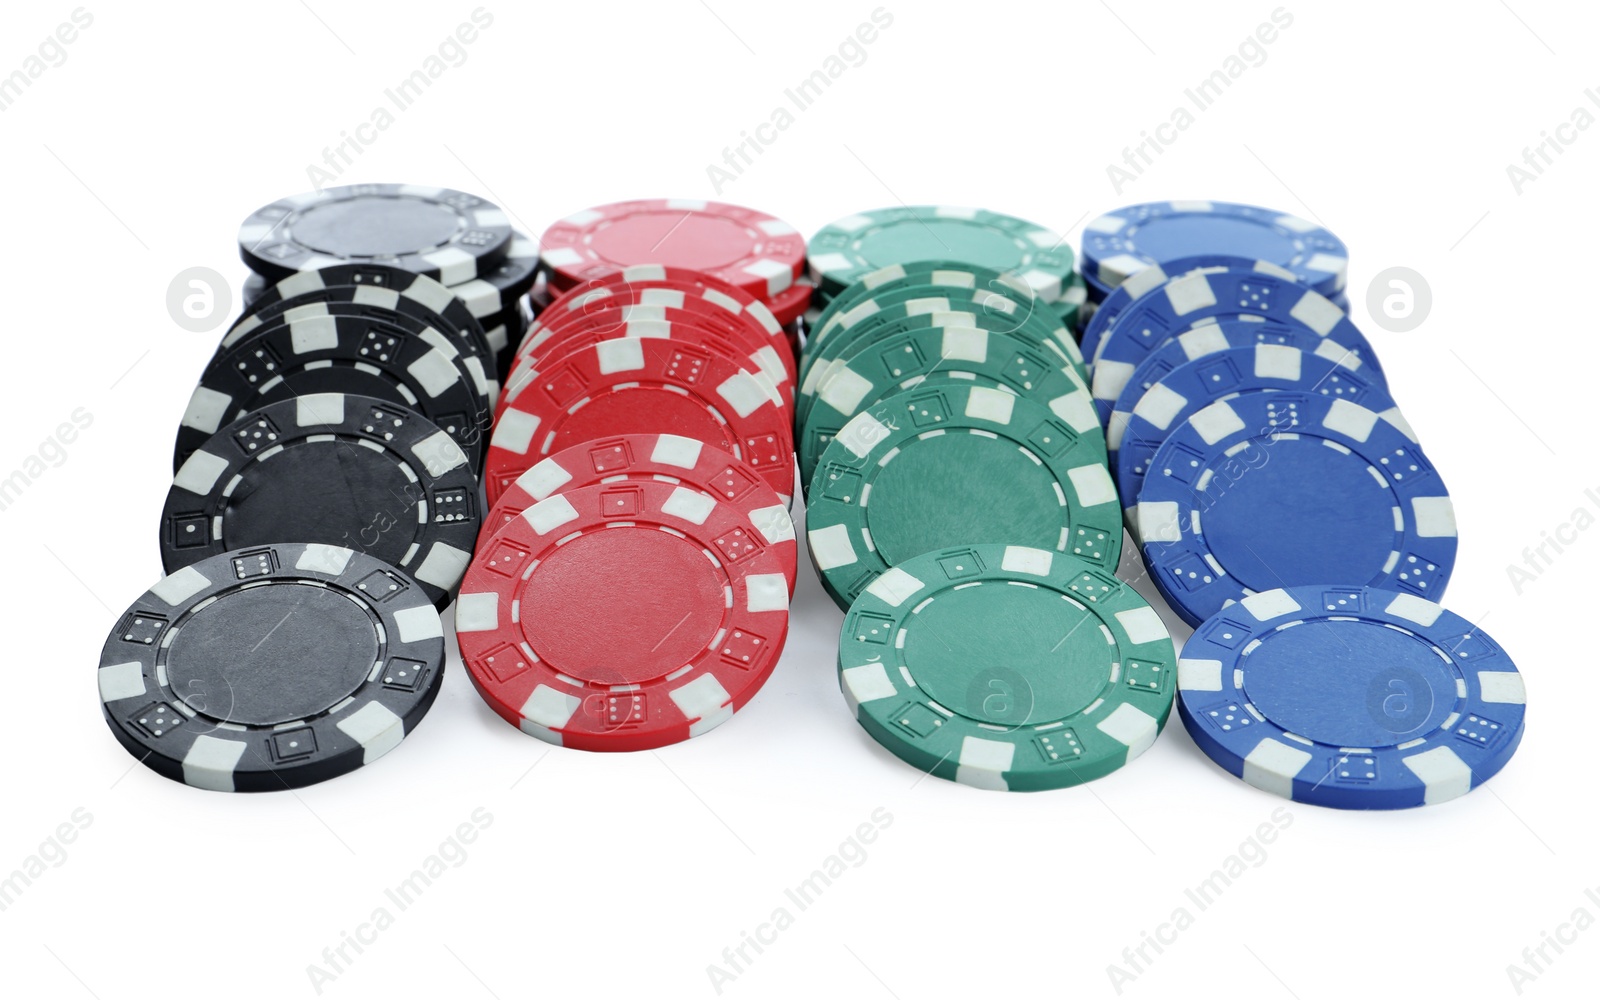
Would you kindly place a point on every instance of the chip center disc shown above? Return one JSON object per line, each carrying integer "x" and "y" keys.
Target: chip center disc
{"x": 685, "y": 239}
{"x": 1179, "y": 236}
{"x": 271, "y": 654}
{"x": 1310, "y": 514}
{"x": 961, "y": 489}
{"x": 1350, "y": 683}
{"x": 1008, "y": 656}
{"x": 375, "y": 227}
{"x": 326, "y": 489}
{"x": 931, "y": 239}
{"x": 641, "y": 412}
{"x": 622, "y": 606}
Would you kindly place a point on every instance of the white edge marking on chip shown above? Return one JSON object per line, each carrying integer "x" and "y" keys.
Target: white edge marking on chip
{"x": 550, "y": 708}
{"x": 862, "y": 433}
{"x": 1272, "y": 765}
{"x": 868, "y": 682}
{"x": 1159, "y": 405}
{"x": 439, "y": 453}
{"x": 207, "y": 409}
{"x": 1270, "y": 604}
{"x": 1278, "y": 362}
{"x": 1414, "y": 609}
{"x": 443, "y": 566}
{"x": 894, "y": 586}
{"x": 984, "y": 763}
{"x": 330, "y": 559}
{"x": 514, "y": 431}
{"x": 831, "y": 547}
{"x": 319, "y": 409}
{"x": 376, "y": 728}
{"x": 1076, "y": 411}
{"x": 964, "y": 343}
{"x": 1352, "y": 420}
{"x": 1444, "y": 775}
{"x": 773, "y": 523}
{"x": 179, "y": 586}
{"x": 622, "y": 354}
{"x": 744, "y": 393}
{"x": 1026, "y": 559}
{"x": 1502, "y": 687}
{"x": 1189, "y": 293}
{"x": 702, "y": 698}
{"x": 1318, "y": 313}
{"x": 676, "y": 450}
{"x": 199, "y": 472}
{"x": 1093, "y": 484}
{"x": 1435, "y": 517}
{"x": 210, "y": 763}
{"x": 1143, "y": 625}
{"x": 689, "y": 505}
{"x": 766, "y": 592}
{"x": 544, "y": 479}
{"x": 435, "y": 373}
{"x": 843, "y": 390}
{"x": 1217, "y": 421}
{"x": 1135, "y": 729}
{"x": 1158, "y": 522}
{"x": 121, "y": 680}
{"x": 992, "y": 405}
{"x": 477, "y": 612}
{"x": 550, "y": 514}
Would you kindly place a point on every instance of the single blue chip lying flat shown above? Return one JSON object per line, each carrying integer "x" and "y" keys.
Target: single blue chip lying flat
{"x": 1119, "y": 244}
{"x": 1192, "y": 387}
{"x": 1284, "y": 489}
{"x": 1350, "y": 697}
{"x": 1209, "y": 338}
{"x": 1197, "y": 297}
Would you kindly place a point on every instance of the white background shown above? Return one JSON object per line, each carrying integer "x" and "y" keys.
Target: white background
{"x": 629, "y": 874}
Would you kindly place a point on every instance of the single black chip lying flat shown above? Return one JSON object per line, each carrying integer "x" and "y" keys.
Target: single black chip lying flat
{"x": 272, "y": 667}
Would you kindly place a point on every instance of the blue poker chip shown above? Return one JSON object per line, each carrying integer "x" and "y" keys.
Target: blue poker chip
{"x": 1201, "y": 296}
{"x": 1210, "y": 338}
{"x": 1097, "y": 290}
{"x": 1283, "y": 489}
{"x": 1192, "y": 387}
{"x": 1350, "y": 697}
{"x": 1122, "y": 243}
{"x": 1153, "y": 277}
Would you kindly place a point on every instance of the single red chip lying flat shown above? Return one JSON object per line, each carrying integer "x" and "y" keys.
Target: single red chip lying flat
{"x": 634, "y": 385}
{"x": 667, "y": 458}
{"x": 623, "y": 616}
{"x": 749, "y": 249}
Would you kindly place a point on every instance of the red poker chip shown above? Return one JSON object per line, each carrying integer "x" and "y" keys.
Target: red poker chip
{"x": 662, "y": 457}
{"x": 637, "y": 385}
{"x": 650, "y": 322}
{"x": 748, "y": 249}
{"x": 623, "y": 616}
{"x": 672, "y": 287}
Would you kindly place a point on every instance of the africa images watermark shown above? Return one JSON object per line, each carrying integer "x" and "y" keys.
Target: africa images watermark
{"x": 451, "y": 853}
{"x": 1137, "y": 959}
{"x": 1201, "y": 97}
{"x": 1536, "y": 959}
{"x": 49, "y": 54}
{"x": 52, "y": 453}
{"x": 451, "y": 53}
{"x": 851, "y": 54}
{"x": 1552, "y": 143}
{"x": 51, "y": 853}
{"x": 852, "y": 853}
{"x": 1537, "y": 559}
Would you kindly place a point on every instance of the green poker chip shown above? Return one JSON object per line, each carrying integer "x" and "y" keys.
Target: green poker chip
{"x": 849, "y": 248}
{"x": 1040, "y": 329}
{"x": 1007, "y": 667}
{"x": 931, "y": 355}
{"x": 952, "y": 464}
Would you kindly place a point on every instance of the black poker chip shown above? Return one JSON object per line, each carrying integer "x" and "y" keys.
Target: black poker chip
{"x": 318, "y": 351}
{"x": 343, "y": 470}
{"x": 272, "y": 667}
{"x": 373, "y": 286}
{"x": 449, "y": 235}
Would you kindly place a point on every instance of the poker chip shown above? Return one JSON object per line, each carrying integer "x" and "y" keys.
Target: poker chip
{"x": 1122, "y": 243}
{"x": 1190, "y": 388}
{"x": 271, "y": 667}
{"x": 422, "y": 308}
{"x": 500, "y": 290}
{"x": 1186, "y": 301}
{"x": 1211, "y": 338}
{"x": 1351, "y": 697}
{"x": 820, "y": 364}
{"x": 663, "y": 457}
{"x": 950, "y": 465}
{"x": 1283, "y": 489}
{"x": 633, "y": 385}
{"x": 1154, "y": 277}
{"x": 935, "y": 355}
{"x": 685, "y": 608}
{"x": 747, "y": 249}
{"x": 789, "y": 305}
{"x": 849, "y": 248}
{"x": 335, "y": 469}
{"x": 1006, "y": 667}
{"x": 351, "y": 354}
{"x": 449, "y": 235}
